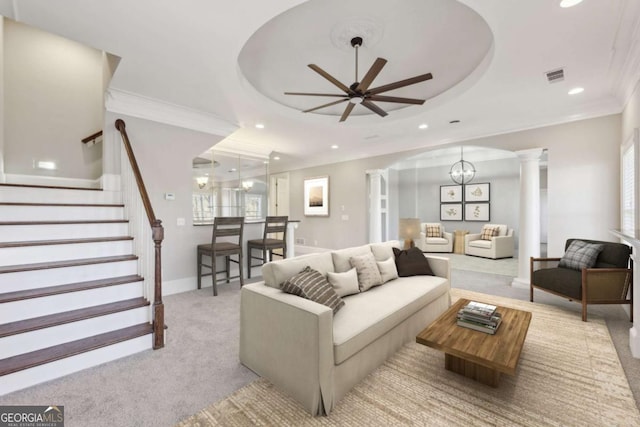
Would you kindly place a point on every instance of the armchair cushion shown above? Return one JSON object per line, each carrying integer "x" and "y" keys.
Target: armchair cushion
{"x": 485, "y": 244}
{"x": 412, "y": 262}
{"x": 312, "y": 285}
{"x": 437, "y": 241}
{"x": 564, "y": 281}
{"x": 433, "y": 230}
{"x": 580, "y": 255}
{"x": 489, "y": 231}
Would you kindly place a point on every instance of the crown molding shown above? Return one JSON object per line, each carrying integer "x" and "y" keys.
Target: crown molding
{"x": 134, "y": 105}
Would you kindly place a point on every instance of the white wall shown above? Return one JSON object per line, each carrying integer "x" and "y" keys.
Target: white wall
{"x": 582, "y": 182}
{"x": 53, "y": 93}
{"x": 2, "y": 177}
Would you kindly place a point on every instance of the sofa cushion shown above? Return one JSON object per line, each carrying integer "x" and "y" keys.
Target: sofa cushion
{"x": 565, "y": 281}
{"x": 344, "y": 283}
{"x": 367, "y": 269}
{"x": 411, "y": 262}
{"x": 384, "y": 250}
{"x": 276, "y": 272}
{"x": 341, "y": 257}
{"x": 312, "y": 285}
{"x": 367, "y": 316}
{"x": 388, "y": 270}
{"x": 484, "y": 244}
{"x": 580, "y": 255}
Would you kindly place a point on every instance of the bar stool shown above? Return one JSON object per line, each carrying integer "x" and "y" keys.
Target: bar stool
{"x": 272, "y": 225}
{"x": 222, "y": 227}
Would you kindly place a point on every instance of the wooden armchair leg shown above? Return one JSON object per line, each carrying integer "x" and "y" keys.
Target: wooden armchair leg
{"x": 530, "y": 293}
{"x": 584, "y": 310}
{"x": 199, "y": 269}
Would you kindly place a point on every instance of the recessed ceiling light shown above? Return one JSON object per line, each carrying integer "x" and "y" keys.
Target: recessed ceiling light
{"x": 423, "y": 126}
{"x": 42, "y": 164}
{"x": 260, "y": 125}
{"x": 334, "y": 147}
{"x": 276, "y": 157}
{"x": 576, "y": 90}
{"x": 569, "y": 3}
{"x": 454, "y": 121}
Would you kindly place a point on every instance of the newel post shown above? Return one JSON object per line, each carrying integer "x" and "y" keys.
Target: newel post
{"x": 158, "y": 306}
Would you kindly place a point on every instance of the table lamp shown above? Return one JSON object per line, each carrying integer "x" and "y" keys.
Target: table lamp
{"x": 409, "y": 230}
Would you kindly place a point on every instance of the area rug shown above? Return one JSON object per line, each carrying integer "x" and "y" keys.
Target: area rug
{"x": 569, "y": 375}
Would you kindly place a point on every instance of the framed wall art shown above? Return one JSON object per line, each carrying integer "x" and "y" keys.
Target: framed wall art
{"x": 316, "y": 196}
{"x": 451, "y": 212}
{"x": 450, "y": 193}
{"x": 476, "y": 192}
{"x": 476, "y": 212}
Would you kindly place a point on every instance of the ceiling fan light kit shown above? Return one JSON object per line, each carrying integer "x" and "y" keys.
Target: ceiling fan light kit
{"x": 359, "y": 92}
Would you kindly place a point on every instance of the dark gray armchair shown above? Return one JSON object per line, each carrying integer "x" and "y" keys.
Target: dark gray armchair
{"x": 609, "y": 281}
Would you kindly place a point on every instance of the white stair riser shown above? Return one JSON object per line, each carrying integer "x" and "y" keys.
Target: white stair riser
{"x": 48, "y": 195}
{"x": 39, "y": 374}
{"x": 50, "y": 253}
{"x": 59, "y": 213}
{"x": 36, "y": 307}
{"x": 18, "y": 281}
{"x": 19, "y": 233}
{"x": 48, "y": 337}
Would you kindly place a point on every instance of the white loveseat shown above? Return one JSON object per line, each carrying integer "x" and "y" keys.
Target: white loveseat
{"x": 500, "y": 246}
{"x": 316, "y": 357}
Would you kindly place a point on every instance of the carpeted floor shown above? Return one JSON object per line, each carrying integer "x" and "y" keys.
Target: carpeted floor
{"x": 568, "y": 375}
{"x": 199, "y": 365}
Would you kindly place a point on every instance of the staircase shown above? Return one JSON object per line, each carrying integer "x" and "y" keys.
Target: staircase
{"x": 71, "y": 296}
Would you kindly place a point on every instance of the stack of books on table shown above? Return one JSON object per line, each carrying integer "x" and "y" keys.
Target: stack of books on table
{"x": 480, "y": 317}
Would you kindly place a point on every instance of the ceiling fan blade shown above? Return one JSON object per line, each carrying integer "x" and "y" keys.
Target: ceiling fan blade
{"x": 347, "y": 111}
{"x": 401, "y": 83}
{"x": 325, "y": 105}
{"x": 315, "y": 94}
{"x": 383, "y": 98}
{"x": 373, "y": 107}
{"x": 371, "y": 74}
{"x": 329, "y": 77}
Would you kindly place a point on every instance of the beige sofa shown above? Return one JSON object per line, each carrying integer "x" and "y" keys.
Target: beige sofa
{"x": 444, "y": 243}
{"x": 500, "y": 246}
{"x": 316, "y": 357}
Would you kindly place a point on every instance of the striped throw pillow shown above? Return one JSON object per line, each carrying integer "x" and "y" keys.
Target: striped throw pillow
{"x": 488, "y": 232}
{"x": 433, "y": 231}
{"x": 312, "y": 285}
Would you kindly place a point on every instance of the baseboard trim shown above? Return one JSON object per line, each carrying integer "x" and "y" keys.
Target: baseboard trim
{"x": 521, "y": 283}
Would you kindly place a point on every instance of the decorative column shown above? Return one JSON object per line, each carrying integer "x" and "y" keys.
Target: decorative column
{"x": 529, "y": 235}
{"x": 291, "y": 238}
{"x": 375, "y": 205}
{"x": 633, "y": 237}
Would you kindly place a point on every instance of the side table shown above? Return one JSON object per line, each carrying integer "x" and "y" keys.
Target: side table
{"x": 458, "y": 241}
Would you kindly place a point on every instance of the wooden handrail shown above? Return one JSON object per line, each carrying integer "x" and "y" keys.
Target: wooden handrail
{"x": 157, "y": 234}
{"x": 92, "y": 137}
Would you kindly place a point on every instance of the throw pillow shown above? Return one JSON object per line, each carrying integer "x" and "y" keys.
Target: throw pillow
{"x": 580, "y": 255}
{"x": 488, "y": 232}
{"x": 367, "y": 269}
{"x": 411, "y": 262}
{"x": 344, "y": 283}
{"x": 433, "y": 230}
{"x": 388, "y": 270}
{"x": 312, "y": 285}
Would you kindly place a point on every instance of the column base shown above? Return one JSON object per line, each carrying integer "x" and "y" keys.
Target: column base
{"x": 519, "y": 282}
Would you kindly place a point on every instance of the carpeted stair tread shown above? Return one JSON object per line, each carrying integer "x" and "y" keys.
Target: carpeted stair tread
{"x": 65, "y": 263}
{"x": 74, "y": 221}
{"x": 63, "y": 241}
{"x": 81, "y": 205}
{"x": 70, "y": 287}
{"x": 56, "y": 319}
{"x": 50, "y": 187}
{"x": 57, "y": 352}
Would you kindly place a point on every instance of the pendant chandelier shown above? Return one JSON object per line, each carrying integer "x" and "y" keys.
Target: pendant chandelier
{"x": 462, "y": 172}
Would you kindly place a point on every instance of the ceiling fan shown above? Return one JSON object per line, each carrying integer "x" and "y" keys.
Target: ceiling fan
{"x": 359, "y": 92}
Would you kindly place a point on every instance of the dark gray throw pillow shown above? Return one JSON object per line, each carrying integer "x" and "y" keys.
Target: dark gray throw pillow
{"x": 312, "y": 285}
{"x": 580, "y": 255}
{"x": 412, "y": 262}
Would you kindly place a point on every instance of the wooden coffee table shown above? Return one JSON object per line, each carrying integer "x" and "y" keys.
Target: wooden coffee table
{"x": 477, "y": 355}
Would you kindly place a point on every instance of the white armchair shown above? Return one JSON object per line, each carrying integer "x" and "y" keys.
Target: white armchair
{"x": 441, "y": 243}
{"x": 500, "y": 246}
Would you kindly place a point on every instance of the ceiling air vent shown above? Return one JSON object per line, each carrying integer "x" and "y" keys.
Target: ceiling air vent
{"x": 555, "y": 76}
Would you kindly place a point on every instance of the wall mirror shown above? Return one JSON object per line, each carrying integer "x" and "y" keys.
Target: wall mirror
{"x": 228, "y": 184}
